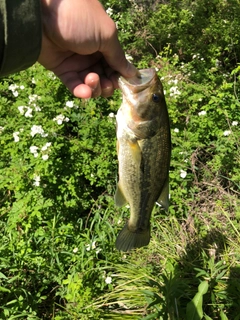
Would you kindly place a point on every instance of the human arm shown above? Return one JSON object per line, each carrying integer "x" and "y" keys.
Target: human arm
{"x": 20, "y": 34}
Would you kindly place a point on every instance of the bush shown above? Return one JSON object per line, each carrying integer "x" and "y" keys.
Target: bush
{"x": 58, "y": 170}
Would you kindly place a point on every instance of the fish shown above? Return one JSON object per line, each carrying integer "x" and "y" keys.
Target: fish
{"x": 144, "y": 152}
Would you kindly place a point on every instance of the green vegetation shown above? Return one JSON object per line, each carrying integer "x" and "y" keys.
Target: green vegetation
{"x": 58, "y": 171}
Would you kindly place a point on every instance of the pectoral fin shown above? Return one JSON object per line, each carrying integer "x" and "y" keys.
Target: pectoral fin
{"x": 119, "y": 198}
{"x": 135, "y": 151}
{"x": 163, "y": 199}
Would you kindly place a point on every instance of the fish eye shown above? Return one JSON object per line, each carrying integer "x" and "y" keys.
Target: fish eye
{"x": 155, "y": 97}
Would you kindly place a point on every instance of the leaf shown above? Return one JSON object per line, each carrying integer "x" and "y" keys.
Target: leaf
{"x": 151, "y": 316}
{"x": 2, "y": 289}
{"x": 194, "y": 307}
{"x": 207, "y": 317}
{"x": 223, "y": 316}
{"x": 2, "y": 276}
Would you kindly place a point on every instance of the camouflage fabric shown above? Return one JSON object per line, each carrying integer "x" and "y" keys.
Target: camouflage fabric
{"x": 20, "y": 34}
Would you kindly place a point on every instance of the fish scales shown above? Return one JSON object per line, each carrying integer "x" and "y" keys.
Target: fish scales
{"x": 144, "y": 148}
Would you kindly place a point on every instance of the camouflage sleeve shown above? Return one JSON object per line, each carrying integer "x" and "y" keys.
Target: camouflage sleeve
{"x": 20, "y": 34}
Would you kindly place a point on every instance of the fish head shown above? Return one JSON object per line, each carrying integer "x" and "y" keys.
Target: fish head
{"x": 143, "y": 96}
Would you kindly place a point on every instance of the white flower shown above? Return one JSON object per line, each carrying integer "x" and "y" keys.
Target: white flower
{"x": 38, "y": 130}
{"x": 183, "y": 174}
{"x": 47, "y": 145}
{"x": 234, "y": 123}
{"x": 176, "y": 130}
{"x": 60, "y": 118}
{"x": 15, "y": 136}
{"x": 45, "y": 157}
{"x": 111, "y": 115}
{"x": 75, "y": 250}
{"x": 33, "y": 149}
{"x": 37, "y": 108}
{"x": 202, "y": 113}
{"x": 94, "y": 245}
{"x": 174, "y": 91}
{"x": 109, "y": 11}
{"x": 227, "y": 133}
{"x": 33, "y": 97}
{"x": 13, "y": 87}
{"x": 51, "y": 75}
{"x": 128, "y": 57}
{"x": 33, "y": 81}
{"x": 70, "y": 104}
{"x": 1, "y": 129}
{"x": 21, "y": 109}
{"x": 108, "y": 280}
{"x": 22, "y": 87}
{"x": 174, "y": 81}
{"x": 36, "y": 180}
{"x": 28, "y": 113}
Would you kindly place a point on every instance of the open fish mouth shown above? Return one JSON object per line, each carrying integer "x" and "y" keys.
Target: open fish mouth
{"x": 138, "y": 83}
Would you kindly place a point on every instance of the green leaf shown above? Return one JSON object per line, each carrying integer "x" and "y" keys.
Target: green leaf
{"x": 2, "y": 276}
{"x": 223, "y": 316}
{"x": 207, "y": 317}
{"x": 194, "y": 307}
{"x": 2, "y": 289}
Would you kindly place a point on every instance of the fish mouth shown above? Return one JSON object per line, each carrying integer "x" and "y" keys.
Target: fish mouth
{"x": 138, "y": 83}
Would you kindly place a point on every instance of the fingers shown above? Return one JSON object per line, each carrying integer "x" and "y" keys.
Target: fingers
{"x": 89, "y": 86}
{"x": 115, "y": 57}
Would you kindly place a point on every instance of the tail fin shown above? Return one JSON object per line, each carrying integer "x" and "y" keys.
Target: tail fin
{"x": 128, "y": 240}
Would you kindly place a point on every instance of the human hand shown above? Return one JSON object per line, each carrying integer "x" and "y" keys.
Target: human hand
{"x": 80, "y": 45}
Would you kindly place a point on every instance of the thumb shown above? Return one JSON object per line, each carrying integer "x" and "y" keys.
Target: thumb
{"x": 115, "y": 57}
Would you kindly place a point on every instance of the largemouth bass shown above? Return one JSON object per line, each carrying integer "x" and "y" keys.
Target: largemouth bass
{"x": 144, "y": 150}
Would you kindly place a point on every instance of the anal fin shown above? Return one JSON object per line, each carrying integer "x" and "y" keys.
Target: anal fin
{"x": 163, "y": 199}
